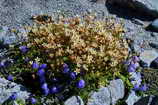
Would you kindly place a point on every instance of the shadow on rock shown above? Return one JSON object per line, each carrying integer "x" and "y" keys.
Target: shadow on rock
{"x": 128, "y": 11}
{"x": 151, "y": 29}
{"x": 143, "y": 101}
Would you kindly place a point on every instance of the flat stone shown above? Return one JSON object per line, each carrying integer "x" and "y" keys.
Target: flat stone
{"x": 108, "y": 95}
{"x": 101, "y": 97}
{"x": 74, "y": 100}
{"x": 132, "y": 98}
{"x": 148, "y": 56}
{"x": 117, "y": 90}
{"x": 8, "y": 87}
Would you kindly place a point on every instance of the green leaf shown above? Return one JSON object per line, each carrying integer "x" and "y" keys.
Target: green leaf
{"x": 65, "y": 59}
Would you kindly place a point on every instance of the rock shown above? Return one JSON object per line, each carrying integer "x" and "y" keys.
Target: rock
{"x": 101, "y": 97}
{"x": 154, "y": 34}
{"x": 74, "y": 100}
{"x": 154, "y": 101}
{"x": 154, "y": 63}
{"x": 143, "y": 101}
{"x": 3, "y": 32}
{"x": 154, "y": 25}
{"x": 108, "y": 95}
{"x": 7, "y": 36}
{"x": 117, "y": 90}
{"x": 149, "y": 7}
{"x": 148, "y": 56}
{"x": 7, "y": 88}
{"x": 132, "y": 98}
{"x": 134, "y": 47}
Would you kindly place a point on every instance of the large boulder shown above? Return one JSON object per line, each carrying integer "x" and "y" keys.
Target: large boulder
{"x": 149, "y": 7}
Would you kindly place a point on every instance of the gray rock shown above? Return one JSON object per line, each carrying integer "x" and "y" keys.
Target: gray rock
{"x": 132, "y": 98}
{"x": 9, "y": 37}
{"x": 154, "y": 25}
{"x": 7, "y": 88}
{"x": 17, "y": 13}
{"x": 117, "y": 90}
{"x": 108, "y": 95}
{"x": 154, "y": 34}
{"x": 148, "y": 56}
{"x": 149, "y": 7}
{"x": 3, "y": 32}
{"x": 135, "y": 48}
{"x": 74, "y": 100}
{"x": 102, "y": 97}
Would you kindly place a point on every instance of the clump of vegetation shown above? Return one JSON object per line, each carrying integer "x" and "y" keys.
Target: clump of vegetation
{"x": 70, "y": 56}
{"x": 151, "y": 78}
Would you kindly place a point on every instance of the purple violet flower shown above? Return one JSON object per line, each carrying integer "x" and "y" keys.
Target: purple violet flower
{"x": 23, "y": 49}
{"x": 43, "y": 66}
{"x": 135, "y": 59}
{"x": 66, "y": 70}
{"x": 131, "y": 69}
{"x": 13, "y": 96}
{"x": 35, "y": 65}
{"x": 134, "y": 65}
{"x": 45, "y": 89}
{"x": 136, "y": 87}
{"x": 65, "y": 65}
{"x": 81, "y": 84}
{"x": 46, "y": 92}
{"x": 73, "y": 75}
{"x": 41, "y": 72}
{"x": 54, "y": 90}
{"x": 10, "y": 78}
{"x": 2, "y": 64}
{"x": 143, "y": 88}
{"x": 42, "y": 79}
{"x": 33, "y": 100}
{"x": 44, "y": 86}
